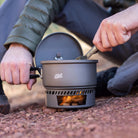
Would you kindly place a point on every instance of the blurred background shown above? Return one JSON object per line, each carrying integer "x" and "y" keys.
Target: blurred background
{"x": 1, "y": 2}
{"x": 19, "y": 95}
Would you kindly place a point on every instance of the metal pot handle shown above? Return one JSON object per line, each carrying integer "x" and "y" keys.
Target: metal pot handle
{"x": 34, "y": 76}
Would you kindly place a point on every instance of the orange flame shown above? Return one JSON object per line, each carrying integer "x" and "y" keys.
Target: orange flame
{"x": 71, "y": 100}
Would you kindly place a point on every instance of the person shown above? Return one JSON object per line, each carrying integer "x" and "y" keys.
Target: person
{"x": 8, "y": 16}
{"x": 82, "y": 17}
{"x": 116, "y": 30}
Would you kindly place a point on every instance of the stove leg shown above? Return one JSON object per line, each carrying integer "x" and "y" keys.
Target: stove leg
{"x": 4, "y": 104}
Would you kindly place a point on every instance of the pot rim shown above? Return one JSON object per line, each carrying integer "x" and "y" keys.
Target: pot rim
{"x": 68, "y": 61}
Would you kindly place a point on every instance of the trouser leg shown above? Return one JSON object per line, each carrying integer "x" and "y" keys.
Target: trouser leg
{"x": 126, "y": 75}
{"x": 83, "y": 18}
{"x": 9, "y": 13}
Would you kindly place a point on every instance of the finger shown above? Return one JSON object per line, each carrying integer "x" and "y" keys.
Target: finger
{"x": 16, "y": 75}
{"x": 2, "y": 74}
{"x": 30, "y": 83}
{"x": 121, "y": 34}
{"x": 126, "y": 34}
{"x": 8, "y": 76}
{"x": 103, "y": 34}
{"x": 111, "y": 37}
{"x": 97, "y": 42}
{"x": 24, "y": 73}
{"x": 105, "y": 42}
{"x": 118, "y": 34}
{"x": 102, "y": 49}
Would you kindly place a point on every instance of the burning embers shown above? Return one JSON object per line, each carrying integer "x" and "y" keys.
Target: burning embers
{"x": 70, "y": 98}
{"x": 73, "y": 100}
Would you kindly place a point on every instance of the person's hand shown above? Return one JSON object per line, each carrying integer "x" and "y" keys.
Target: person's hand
{"x": 116, "y": 29}
{"x": 15, "y": 66}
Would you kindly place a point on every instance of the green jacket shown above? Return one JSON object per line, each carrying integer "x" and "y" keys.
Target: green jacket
{"x": 33, "y": 22}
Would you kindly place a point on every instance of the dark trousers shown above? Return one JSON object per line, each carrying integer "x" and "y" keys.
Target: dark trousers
{"x": 83, "y": 18}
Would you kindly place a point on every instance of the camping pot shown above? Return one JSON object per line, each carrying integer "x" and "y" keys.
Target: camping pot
{"x": 69, "y": 73}
{"x": 62, "y": 74}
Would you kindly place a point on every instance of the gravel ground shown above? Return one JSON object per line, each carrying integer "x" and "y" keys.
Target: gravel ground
{"x": 111, "y": 117}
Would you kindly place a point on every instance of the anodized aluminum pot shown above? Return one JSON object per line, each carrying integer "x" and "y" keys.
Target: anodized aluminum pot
{"x": 69, "y": 73}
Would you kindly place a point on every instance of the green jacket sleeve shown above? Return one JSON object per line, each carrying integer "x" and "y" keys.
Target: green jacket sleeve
{"x": 33, "y": 22}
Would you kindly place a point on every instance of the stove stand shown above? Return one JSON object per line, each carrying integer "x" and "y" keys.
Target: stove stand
{"x": 70, "y": 98}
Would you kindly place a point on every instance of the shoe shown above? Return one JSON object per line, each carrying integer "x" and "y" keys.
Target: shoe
{"x": 118, "y": 5}
{"x": 102, "y": 80}
{"x": 4, "y": 104}
{"x": 136, "y": 83}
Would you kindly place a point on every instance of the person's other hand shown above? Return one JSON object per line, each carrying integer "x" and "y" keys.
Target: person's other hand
{"x": 15, "y": 66}
{"x": 116, "y": 29}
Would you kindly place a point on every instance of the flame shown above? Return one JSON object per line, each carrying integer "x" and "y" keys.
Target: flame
{"x": 72, "y": 100}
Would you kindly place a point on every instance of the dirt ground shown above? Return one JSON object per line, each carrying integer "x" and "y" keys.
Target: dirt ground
{"x": 111, "y": 117}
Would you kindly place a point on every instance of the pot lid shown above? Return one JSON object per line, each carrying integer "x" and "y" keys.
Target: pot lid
{"x": 57, "y": 46}
{"x": 69, "y": 62}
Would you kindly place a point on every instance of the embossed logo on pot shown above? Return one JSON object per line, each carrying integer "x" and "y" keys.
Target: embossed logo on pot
{"x": 58, "y": 76}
